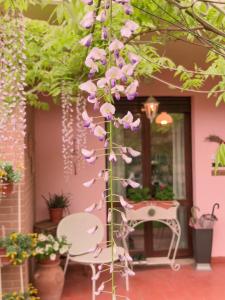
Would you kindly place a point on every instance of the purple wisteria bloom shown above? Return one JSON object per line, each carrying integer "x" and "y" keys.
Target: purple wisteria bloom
{"x": 134, "y": 58}
{"x": 129, "y": 28}
{"x": 112, "y": 75}
{"x": 88, "y": 20}
{"x": 89, "y": 87}
{"x": 99, "y": 132}
{"x": 135, "y": 125}
{"x": 107, "y": 110}
{"x": 97, "y": 54}
{"x": 131, "y": 90}
{"x": 87, "y": 153}
{"x": 117, "y": 90}
{"x": 128, "y": 9}
{"x": 101, "y": 17}
{"x": 116, "y": 45}
{"x": 127, "y": 120}
{"x": 104, "y": 35}
{"x": 88, "y": 2}
{"x": 86, "y": 41}
{"x": 87, "y": 120}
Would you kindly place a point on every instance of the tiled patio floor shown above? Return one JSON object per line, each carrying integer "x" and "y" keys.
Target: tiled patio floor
{"x": 156, "y": 284}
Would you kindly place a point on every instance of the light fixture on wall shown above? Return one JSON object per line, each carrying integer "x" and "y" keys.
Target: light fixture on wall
{"x": 151, "y": 108}
{"x": 164, "y": 119}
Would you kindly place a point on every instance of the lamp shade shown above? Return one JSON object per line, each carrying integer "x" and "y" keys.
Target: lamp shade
{"x": 164, "y": 119}
{"x": 151, "y": 108}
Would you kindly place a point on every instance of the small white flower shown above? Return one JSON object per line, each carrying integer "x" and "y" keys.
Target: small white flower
{"x": 53, "y": 256}
{"x": 64, "y": 249}
{"x": 56, "y": 246}
{"x": 42, "y": 237}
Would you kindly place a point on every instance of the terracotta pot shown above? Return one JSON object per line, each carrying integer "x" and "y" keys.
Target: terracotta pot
{"x": 4, "y": 260}
{"x": 49, "y": 280}
{"x": 6, "y": 188}
{"x": 56, "y": 214}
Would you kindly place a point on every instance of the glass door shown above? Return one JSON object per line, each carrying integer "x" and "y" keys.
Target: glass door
{"x": 163, "y": 170}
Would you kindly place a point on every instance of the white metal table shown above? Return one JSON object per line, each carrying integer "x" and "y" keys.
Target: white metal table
{"x": 160, "y": 211}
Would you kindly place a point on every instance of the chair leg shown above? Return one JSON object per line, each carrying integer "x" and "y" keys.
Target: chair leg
{"x": 93, "y": 281}
{"x": 126, "y": 277}
{"x": 66, "y": 264}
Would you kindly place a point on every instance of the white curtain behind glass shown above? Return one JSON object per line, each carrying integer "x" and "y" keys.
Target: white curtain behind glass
{"x": 178, "y": 160}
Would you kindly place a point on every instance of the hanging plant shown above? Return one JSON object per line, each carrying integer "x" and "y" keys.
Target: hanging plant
{"x": 220, "y": 152}
{"x": 12, "y": 82}
{"x": 67, "y": 132}
{"x": 117, "y": 78}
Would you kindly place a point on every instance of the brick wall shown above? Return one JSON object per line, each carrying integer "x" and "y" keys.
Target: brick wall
{"x": 9, "y": 205}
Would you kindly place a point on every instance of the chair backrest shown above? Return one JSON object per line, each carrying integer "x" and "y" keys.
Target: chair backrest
{"x": 75, "y": 228}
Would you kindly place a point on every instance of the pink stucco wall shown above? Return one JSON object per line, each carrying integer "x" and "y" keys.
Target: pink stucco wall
{"x": 206, "y": 119}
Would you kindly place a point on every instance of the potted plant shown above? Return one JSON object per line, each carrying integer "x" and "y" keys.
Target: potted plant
{"x": 30, "y": 294}
{"x": 164, "y": 193}
{"x": 16, "y": 248}
{"x": 49, "y": 276}
{"x": 8, "y": 176}
{"x": 57, "y": 203}
{"x": 138, "y": 194}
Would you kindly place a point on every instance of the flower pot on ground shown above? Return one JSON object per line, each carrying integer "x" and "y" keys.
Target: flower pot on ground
{"x": 49, "y": 276}
{"x": 8, "y": 176}
{"x": 57, "y": 204}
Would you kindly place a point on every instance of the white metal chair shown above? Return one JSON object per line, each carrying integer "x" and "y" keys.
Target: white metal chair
{"x": 75, "y": 228}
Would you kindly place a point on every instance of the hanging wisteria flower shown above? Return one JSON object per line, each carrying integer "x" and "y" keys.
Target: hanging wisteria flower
{"x": 89, "y": 183}
{"x": 127, "y": 120}
{"x": 86, "y": 41}
{"x": 135, "y": 125}
{"x": 89, "y": 2}
{"x": 87, "y": 153}
{"x": 128, "y": 9}
{"x": 101, "y": 17}
{"x": 100, "y": 132}
{"x": 88, "y": 20}
{"x": 113, "y": 74}
{"x": 117, "y": 90}
{"x": 124, "y": 203}
{"x": 90, "y": 208}
{"x": 97, "y": 54}
{"x": 89, "y": 87}
{"x": 134, "y": 58}
{"x": 101, "y": 83}
{"x": 91, "y": 159}
{"x": 131, "y": 90}
{"x": 104, "y": 35}
{"x": 93, "y": 229}
{"x": 126, "y": 158}
{"x": 107, "y": 110}
{"x": 116, "y": 45}
{"x": 87, "y": 120}
{"x": 128, "y": 69}
{"x": 133, "y": 152}
{"x": 112, "y": 156}
{"x": 129, "y": 28}
{"x": 133, "y": 183}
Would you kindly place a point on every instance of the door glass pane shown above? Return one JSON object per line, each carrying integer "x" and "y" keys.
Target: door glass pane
{"x": 168, "y": 175}
{"x": 168, "y": 157}
{"x": 133, "y": 171}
